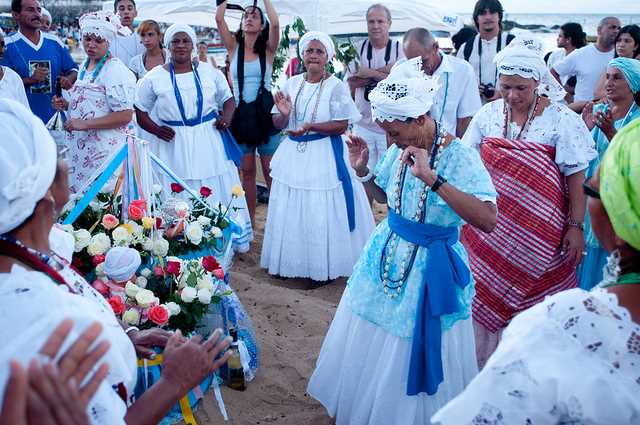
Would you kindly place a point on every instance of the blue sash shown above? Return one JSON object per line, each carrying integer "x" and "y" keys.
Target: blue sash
{"x": 443, "y": 272}
{"x": 341, "y": 167}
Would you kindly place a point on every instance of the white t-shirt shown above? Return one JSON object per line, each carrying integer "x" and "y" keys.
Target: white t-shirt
{"x": 11, "y": 87}
{"x": 489, "y": 51}
{"x": 555, "y": 58}
{"x": 125, "y": 48}
{"x": 459, "y": 89}
{"x": 587, "y": 64}
{"x": 377, "y": 61}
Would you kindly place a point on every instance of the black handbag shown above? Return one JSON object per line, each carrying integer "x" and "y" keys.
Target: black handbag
{"x": 252, "y": 124}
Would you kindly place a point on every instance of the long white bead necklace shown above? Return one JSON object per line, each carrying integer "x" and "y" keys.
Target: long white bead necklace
{"x": 302, "y": 146}
{"x": 393, "y": 287}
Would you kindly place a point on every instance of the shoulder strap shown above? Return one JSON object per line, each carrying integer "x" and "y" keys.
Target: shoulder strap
{"x": 510, "y": 38}
{"x": 364, "y": 43}
{"x": 240, "y": 68}
{"x": 262, "y": 56}
{"x": 387, "y": 53}
{"x": 397, "y": 50}
{"x": 369, "y": 53}
{"x": 468, "y": 48}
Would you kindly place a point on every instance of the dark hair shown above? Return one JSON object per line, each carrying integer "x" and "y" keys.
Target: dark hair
{"x": 494, "y": 6}
{"x": 634, "y": 31}
{"x": 16, "y": 6}
{"x": 261, "y": 42}
{"x": 574, "y": 31}
{"x": 462, "y": 36}
{"x": 115, "y": 4}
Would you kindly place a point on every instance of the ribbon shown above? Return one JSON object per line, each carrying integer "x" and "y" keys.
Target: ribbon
{"x": 341, "y": 167}
{"x": 443, "y": 272}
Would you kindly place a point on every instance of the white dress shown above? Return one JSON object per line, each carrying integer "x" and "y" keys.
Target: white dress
{"x": 572, "y": 359}
{"x": 113, "y": 90}
{"x": 196, "y": 154}
{"x": 307, "y": 232}
{"x": 32, "y": 305}
{"x": 12, "y": 87}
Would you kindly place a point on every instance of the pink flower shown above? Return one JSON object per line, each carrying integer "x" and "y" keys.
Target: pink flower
{"x": 137, "y": 209}
{"x": 205, "y": 191}
{"x": 158, "y": 315}
{"x": 219, "y": 274}
{"x": 157, "y": 270}
{"x": 101, "y": 287}
{"x": 117, "y": 305}
{"x": 110, "y": 221}
{"x": 173, "y": 268}
{"x": 97, "y": 259}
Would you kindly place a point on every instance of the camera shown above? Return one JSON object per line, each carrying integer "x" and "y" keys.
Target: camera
{"x": 489, "y": 90}
{"x": 367, "y": 90}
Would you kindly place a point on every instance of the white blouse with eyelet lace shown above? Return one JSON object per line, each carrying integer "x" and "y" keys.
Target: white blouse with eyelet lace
{"x": 572, "y": 359}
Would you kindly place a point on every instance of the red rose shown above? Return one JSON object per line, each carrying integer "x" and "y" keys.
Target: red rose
{"x": 158, "y": 315}
{"x": 97, "y": 259}
{"x": 205, "y": 191}
{"x": 137, "y": 209}
{"x": 176, "y": 188}
{"x": 209, "y": 263}
{"x": 117, "y": 305}
{"x": 158, "y": 222}
{"x": 101, "y": 287}
{"x": 157, "y": 270}
{"x": 219, "y": 274}
{"x": 173, "y": 267}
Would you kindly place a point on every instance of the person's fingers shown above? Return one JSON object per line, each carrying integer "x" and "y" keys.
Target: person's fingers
{"x": 38, "y": 411}
{"x": 144, "y": 352}
{"x": 91, "y": 387}
{"x": 58, "y": 396}
{"x": 88, "y": 362}
{"x": 219, "y": 362}
{"x": 221, "y": 346}
{"x": 211, "y": 342}
{"x": 56, "y": 339}
{"x": 71, "y": 359}
{"x": 14, "y": 405}
{"x": 197, "y": 339}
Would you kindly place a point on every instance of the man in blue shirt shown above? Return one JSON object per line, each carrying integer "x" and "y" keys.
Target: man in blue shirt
{"x": 39, "y": 58}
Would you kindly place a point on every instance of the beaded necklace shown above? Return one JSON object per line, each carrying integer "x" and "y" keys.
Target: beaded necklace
{"x": 506, "y": 130}
{"x": 393, "y": 287}
{"x": 301, "y": 147}
{"x": 96, "y": 70}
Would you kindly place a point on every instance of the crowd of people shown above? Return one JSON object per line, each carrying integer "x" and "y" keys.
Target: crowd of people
{"x": 489, "y": 292}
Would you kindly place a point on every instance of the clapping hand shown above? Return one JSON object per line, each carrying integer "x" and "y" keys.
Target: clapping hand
{"x": 358, "y": 154}
{"x": 604, "y": 120}
{"x": 418, "y": 162}
{"x": 283, "y": 103}
{"x": 144, "y": 341}
{"x": 587, "y": 116}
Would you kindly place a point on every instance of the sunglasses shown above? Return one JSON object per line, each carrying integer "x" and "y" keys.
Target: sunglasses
{"x": 590, "y": 192}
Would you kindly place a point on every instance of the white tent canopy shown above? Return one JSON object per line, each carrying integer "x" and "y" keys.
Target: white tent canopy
{"x": 336, "y": 17}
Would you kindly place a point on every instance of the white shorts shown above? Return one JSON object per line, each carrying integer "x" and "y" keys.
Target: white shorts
{"x": 377, "y": 143}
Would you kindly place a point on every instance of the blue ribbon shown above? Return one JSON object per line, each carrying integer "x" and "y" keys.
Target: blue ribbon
{"x": 231, "y": 148}
{"x": 176, "y": 92}
{"x": 341, "y": 167}
{"x": 97, "y": 185}
{"x": 443, "y": 272}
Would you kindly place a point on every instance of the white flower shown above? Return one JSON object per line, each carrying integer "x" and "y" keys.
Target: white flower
{"x": 204, "y": 221}
{"x": 67, "y": 228}
{"x": 82, "y": 238}
{"x": 121, "y": 236}
{"x": 181, "y": 208}
{"x": 147, "y": 244}
{"x": 137, "y": 229}
{"x": 173, "y": 308}
{"x": 131, "y": 317}
{"x": 100, "y": 270}
{"x": 145, "y": 272}
{"x": 194, "y": 233}
{"x": 160, "y": 247}
{"x": 100, "y": 244}
{"x": 156, "y": 189}
{"x": 141, "y": 281}
{"x": 131, "y": 289}
{"x": 183, "y": 280}
{"x": 188, "y": 294}
{"x": 216, "y": 232}
{"x": 204, "y": 296}
{"x": 145, "y": 298}
{"x": 204, "y": 283}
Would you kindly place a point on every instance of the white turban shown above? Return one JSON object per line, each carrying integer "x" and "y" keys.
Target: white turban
{"x": 103, "y": 24}
{"x": 406, "y": 93}
{"x": 45, "y": 12}
{"x": 524, "y": 57}
{"x": 28, "y": 162}
{"x": 175, "y": 29}
{"x": 323, "y": 38}
{"x": 121, "y": 263}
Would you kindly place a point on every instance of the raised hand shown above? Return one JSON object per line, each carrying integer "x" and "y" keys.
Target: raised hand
{"x": 358, "y": 154}
{"x": 418, "y": 162}
{"x": 587, "y": 116}
{"x": 283, "y": 103}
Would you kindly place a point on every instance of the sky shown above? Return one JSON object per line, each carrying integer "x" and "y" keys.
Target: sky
{"x": 554, "y": 6}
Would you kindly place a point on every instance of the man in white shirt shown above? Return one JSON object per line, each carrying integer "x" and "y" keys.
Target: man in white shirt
{"x": 589, "y": 62}
{"x": 570, "y": 37}
{"x": 377, "y": 54}
{"x": 458, "y": 99}
{"x": 126, "y": 47}
{"x": 480, "y": 50}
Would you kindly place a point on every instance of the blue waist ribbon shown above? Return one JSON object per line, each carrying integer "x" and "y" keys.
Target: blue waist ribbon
{"x": 443, "y": 272}
{"x": 343, "y": 171}
{"x": 231, "y": 147}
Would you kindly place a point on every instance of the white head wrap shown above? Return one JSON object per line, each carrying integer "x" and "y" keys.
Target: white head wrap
{"x": 175, "y": 29}
{"x": 45, "y": 12}
{"x": 121, "y": 263}
{"x": 406, "y": 93}
{"x": 27, "y": 163}
{"x": 323, "y": 38}
{"x": 524, "y": 57}
{"x": 103, "y": 24}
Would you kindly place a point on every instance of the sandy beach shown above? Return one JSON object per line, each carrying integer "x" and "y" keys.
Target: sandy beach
{"x": 291, "y": 317}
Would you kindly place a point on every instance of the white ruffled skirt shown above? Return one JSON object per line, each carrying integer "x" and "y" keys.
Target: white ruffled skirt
{"x": 361, "y": 373}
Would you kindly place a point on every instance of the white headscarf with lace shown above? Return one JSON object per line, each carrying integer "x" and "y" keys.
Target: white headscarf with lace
{"x": 406, "y": 93}
{"x": 103, "y": 24}
{"x": 524, "y": 57}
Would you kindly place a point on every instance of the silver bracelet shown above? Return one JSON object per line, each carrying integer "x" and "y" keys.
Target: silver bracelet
{"x": 364, "y": 178}
{"x": 131, "y": 328}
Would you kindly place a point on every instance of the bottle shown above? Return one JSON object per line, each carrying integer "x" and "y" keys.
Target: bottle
{"x": 235, "y": 379}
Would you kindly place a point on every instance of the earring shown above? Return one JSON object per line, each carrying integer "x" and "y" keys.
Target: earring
{"x": 611, "y": 269}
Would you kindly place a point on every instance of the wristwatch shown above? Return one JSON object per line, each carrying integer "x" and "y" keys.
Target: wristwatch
{"x": 439, "y": 182}
{"x": 577, "y": 224}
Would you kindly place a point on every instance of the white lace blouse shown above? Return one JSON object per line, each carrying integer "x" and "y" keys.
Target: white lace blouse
{"x": 558, "y": 126}
{"x": 572, "y": 359}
